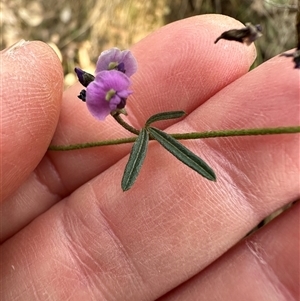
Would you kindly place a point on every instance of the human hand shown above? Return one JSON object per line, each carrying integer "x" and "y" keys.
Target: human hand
{"x": 68, "y": 232}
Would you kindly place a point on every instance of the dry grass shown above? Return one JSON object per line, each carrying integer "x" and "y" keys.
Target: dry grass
{"x": 79, "y": 31}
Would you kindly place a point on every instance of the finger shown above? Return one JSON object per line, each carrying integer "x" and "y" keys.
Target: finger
{"x": 261, "y": 267}
{"x": 166, "y": 80}
{"x": 141, "y": 244}
{"x": 32, "y": 82}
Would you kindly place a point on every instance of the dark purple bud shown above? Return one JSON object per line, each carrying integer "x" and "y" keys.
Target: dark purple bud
{"x": 121, "y": 67}
{"x": 122, "y": 103}
{"x": 84, "y": 78}
{"x": 82, "y": 95}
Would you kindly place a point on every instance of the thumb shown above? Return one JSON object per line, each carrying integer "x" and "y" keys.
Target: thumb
{"x": 31, "y": 92}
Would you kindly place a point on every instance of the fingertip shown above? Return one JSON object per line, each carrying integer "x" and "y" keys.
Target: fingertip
{"x": 221, "y": 23}
{"x": 32, "y": 86}
{"x": 181, "y": 62}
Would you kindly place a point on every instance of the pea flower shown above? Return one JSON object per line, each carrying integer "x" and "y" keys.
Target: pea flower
{"x": 107, "y": 93}
{"x": 115, "y": 59}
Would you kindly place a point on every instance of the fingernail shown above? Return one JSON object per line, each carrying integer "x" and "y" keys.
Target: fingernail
{"x": 11, "y": 49}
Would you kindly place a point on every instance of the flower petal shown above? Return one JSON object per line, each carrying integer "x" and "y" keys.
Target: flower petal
{"x": 130, "y": 62}
{"x": 96, "y": 92}
{"x": 95, "y": 100}
{"x": 125, "y": 58}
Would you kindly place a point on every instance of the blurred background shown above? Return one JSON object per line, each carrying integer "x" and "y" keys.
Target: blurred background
{"x": 79, "y": 30}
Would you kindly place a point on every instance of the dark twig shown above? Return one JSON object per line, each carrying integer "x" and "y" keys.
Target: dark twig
{"x": 296, "y": 54}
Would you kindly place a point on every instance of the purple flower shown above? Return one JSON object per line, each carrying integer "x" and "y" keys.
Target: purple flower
{"x": 107, "y": 93}
{"x": 115, "y": 59}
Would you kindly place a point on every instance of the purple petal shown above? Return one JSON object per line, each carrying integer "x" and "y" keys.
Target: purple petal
{"x": 95, "y": 100}
{"x": 130, "y": 63}
{"x": 106, "y": 57}
{"x": 96, "y": 92}
{"x": 125, "y": 58}
{"x": 124, "y": 93}
{"x": 114, "y": 102}
{"x": 113, "y": 80}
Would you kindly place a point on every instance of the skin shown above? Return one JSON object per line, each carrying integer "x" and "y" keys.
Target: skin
{"x": 68, "y": 232}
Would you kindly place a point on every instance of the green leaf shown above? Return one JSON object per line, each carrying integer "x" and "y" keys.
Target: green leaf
{"x": 182, "y": 153}
{"x": 136, "y": 159}
{"x": 164, "y": 116}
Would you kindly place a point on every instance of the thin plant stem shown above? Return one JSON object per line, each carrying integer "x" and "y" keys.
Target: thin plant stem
{"x": 240, "y": 132}
{"x": 186, "y": 136}
{"x": 91, "y": 144}
{"x": 124, "y": 124}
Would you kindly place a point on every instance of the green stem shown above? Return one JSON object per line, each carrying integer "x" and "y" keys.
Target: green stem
{"x": 241, "y": 132}
{"x": 91, "y": 144}
{"x": 195, "y": 135}
{"x": 124, "y": 124}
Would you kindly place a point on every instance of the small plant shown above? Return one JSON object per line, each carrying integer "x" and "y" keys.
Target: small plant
{"x": 107, "y": 93}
